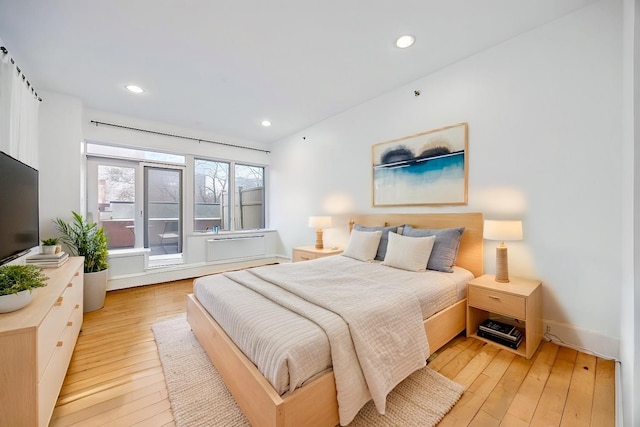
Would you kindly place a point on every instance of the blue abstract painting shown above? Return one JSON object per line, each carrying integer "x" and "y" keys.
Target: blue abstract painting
{"x": 429, "y": 168}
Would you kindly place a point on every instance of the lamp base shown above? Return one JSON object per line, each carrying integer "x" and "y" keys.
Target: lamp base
{"x": 502, "y": 265}
{"x": 319, "y": 244}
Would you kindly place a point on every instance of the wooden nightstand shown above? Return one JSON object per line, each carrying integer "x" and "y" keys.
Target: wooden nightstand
{"x": 518, "y": 302}
{"x": 305, "y": 253}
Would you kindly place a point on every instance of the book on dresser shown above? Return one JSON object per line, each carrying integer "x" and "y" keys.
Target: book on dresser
{"x": 48, "y": 260}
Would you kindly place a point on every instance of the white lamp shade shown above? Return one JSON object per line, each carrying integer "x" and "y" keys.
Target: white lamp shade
{"x": 319, "y": 222}
{"x": 502, "y": 230}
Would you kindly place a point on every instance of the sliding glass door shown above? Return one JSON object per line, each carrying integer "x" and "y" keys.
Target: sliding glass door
{"x": 111, "y": 200}
{"x": 139, "y": 205}
{"x": 163, "y": 210}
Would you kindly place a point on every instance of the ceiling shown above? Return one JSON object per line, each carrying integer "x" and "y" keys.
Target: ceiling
{"x": 223, "y": 67}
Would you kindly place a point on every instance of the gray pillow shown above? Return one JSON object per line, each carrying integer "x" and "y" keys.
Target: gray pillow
{"x": 445, "y": 249}
{"x": 384, "y": 240}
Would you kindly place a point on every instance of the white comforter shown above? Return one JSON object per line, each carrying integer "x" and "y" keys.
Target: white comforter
{"x": 291, "y": 350}
{"x": 376, "y": 333}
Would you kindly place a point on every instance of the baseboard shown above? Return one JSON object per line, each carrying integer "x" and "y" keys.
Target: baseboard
{"x": 581, "y": 339}
{"x": 183, "y": 271}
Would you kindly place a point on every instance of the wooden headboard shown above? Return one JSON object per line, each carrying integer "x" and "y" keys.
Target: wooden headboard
{"x": 470, "y": 253}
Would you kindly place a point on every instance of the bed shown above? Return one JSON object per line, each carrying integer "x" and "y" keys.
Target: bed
{"x": 315, "y": 402}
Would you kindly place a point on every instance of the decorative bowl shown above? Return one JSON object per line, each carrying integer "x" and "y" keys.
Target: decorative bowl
{"x": 13, "y": 302}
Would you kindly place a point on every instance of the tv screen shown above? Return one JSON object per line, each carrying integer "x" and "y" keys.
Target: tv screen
{"x": 19, "y": 215}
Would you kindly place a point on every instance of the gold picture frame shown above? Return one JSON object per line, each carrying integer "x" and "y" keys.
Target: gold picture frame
{"x": 429, "y": 168}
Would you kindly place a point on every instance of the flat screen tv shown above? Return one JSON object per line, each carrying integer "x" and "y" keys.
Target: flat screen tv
{"x": 19, "y": 215}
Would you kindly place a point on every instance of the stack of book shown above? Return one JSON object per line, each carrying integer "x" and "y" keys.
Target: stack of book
{"x": 48, "y": 261}
{"x": 500, "y": 332}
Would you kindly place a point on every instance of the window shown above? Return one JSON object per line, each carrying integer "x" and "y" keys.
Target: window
{"x": 116, "y": 196}
{"x": 228, "y": 202}
{"x": 249, "y": 197}
{"x": 132, "y": 153}
{"x": 211, "y": 195}
{"x": 163, "y": 210}
{"x": 137, "y": 202}
{"x": 138, "y": 197}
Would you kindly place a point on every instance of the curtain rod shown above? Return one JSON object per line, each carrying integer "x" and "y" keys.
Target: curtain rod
{"x": 179, "y": 136}
{"x": 24, "y": 78}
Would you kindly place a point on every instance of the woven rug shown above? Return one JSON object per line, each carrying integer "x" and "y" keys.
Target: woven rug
{"x": 199, "y": 397}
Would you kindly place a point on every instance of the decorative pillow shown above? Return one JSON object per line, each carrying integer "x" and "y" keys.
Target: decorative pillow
{"x": 382, "y": 248}
{"x": 363, "y": 245}
{"x": 408, "y": 253}
{"x": 445, "y": 248}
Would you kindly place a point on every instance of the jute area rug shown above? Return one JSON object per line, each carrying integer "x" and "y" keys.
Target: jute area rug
{"x": 199, "y": 397}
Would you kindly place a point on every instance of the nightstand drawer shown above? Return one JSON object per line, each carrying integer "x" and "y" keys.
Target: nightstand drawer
{"x": 303, "y": 256}
{"x": 497, "y": 302}
{"x": 307, "y": 253}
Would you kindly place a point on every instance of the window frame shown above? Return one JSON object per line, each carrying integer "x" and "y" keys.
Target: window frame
{"x": 232, "y": 191}
{"x": 188, "y": 167}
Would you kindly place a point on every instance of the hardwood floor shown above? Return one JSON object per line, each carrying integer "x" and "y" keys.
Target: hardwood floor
{"x": 115, "y": 377}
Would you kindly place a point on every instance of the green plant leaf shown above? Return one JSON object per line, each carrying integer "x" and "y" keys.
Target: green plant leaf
{"x": 85, "y": 239}
{"x": 16, "y": 278}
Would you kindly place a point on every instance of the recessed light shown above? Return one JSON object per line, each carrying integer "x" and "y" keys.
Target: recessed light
{"x": 134, "y": 89}
{"x": 265, "y": 123}
{"x": 405, "y": 41}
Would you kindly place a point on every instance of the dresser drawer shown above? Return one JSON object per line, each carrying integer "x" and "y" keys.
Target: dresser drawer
{"x": 497, "y": 302}
{"x": 56, "y": 320}
{"x": 56, "y": 369}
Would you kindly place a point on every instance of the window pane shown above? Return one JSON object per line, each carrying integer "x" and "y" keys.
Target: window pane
{"x": 163, "y": 199}
{"x": 116, "y": 198}
{"x": 211, "y": 195}
{"x": 249, "y": 197}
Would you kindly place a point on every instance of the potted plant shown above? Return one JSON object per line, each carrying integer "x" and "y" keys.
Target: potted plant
{"x": 50, "y": 246}
{"x": 88, "y": 240}
{"x": 16, "y": 285}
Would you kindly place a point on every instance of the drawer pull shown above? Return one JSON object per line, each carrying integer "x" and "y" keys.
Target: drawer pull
{"x": 77, "y": 273}
{"x": 59, "y": 344}
{"x": 77, "y": 305}
{"x": 70, "y": 285}
{"x": 69, "y": 323}
{"x": 494, "y": 297}
{"x": 304, "y": 258}
{"x": 59, "y": 302}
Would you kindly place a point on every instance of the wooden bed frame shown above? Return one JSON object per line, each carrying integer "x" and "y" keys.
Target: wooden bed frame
{"x": 315, "y": 404}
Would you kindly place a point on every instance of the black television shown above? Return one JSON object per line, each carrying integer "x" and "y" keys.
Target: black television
{"x": 19, "y": 214}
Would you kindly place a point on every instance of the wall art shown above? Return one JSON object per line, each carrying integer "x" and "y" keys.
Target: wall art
{"x": 429, "y": 168}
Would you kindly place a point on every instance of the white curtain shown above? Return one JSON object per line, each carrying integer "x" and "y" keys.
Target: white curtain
{"x": 18, "y": 115}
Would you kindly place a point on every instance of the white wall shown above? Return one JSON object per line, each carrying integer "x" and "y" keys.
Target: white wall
{"x": 60, "y": 157}
{"x": 64, "y": 124}
{"x": 544, "y": 112}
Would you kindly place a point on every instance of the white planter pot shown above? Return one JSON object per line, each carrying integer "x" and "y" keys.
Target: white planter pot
{"x": 95, "y": 289}
{"x": 48, "y": 249}
{"x": 13, "y": 302}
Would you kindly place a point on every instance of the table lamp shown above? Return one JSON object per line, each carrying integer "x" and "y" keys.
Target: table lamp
{"x": 319, "y": 222}
{"x": 501, "y": 231}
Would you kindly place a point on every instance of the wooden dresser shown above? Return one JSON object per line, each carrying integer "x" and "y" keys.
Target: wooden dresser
{"x": 36, "y": 343}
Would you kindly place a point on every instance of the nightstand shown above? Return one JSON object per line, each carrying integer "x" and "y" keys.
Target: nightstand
{"x": 305, "y": 253}
{"x": 518, "y": 303}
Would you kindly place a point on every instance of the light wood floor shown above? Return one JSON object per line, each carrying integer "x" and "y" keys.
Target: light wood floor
{"x": 115, "y": 377}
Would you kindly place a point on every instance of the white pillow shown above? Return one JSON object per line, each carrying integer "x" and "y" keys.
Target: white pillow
{"x": 408, "y": 253}
{"x": 363, "y": 245}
